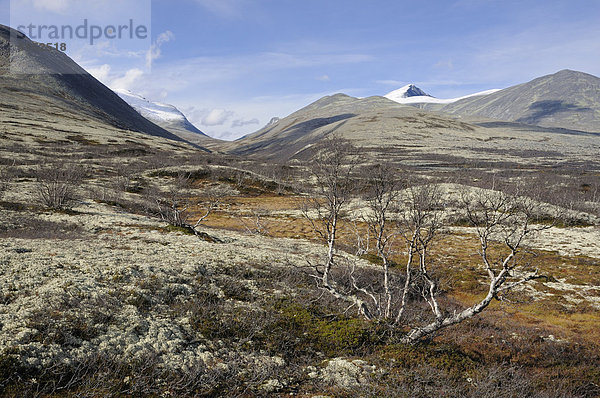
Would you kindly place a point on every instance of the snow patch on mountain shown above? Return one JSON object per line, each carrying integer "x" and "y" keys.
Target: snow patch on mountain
{"x": 410, "y": 90}
{"x": 411, "y": 94}
{"x": 153, "y": 111}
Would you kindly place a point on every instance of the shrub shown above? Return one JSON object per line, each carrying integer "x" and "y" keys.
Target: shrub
{"x": 56, "y": 186}
{"x": 3, "y": 183}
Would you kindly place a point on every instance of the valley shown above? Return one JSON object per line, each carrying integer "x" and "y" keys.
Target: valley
{"x": 140, "y": 260}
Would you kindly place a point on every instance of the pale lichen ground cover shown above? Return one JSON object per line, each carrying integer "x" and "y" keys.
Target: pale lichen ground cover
{"x": 70, "y": 300}
{"x": 95, "y": 283}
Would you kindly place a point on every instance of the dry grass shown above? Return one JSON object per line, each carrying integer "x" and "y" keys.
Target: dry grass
{"x": 542, "y": 305}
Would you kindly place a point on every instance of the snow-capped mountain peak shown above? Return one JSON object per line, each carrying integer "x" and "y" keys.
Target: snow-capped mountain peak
{"x": 165, "y": 115}
{"x": 411, "y": 94}
{"x": 153, "y": 111}
{"x": 410, "y": 90}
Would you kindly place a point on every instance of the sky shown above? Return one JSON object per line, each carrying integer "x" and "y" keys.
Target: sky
{"x": 232, "y": 65}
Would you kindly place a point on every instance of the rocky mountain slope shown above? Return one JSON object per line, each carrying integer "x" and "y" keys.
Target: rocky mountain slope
{"x": 567, "y": 99}
{"x": 44, "y": 84}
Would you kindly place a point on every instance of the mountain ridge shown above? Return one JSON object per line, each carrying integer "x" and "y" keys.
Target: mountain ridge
{"x": 566, "y": 99}
{"x": 53, "y": 77}
{"x": 413, "y": 95}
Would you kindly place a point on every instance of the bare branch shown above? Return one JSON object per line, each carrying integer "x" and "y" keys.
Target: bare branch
{"x": 498, "y": 217}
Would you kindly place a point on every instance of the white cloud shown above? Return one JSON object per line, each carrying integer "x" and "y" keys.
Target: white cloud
{"x": 165, "y": 37}
{"x": 324, "y": 78}
{"x": 108, "y": 49}
{"x": 216, "y": 120}
{"x": 155, "y": 50}
{"x": 101, "y": 73}
{"x": 217, "y": 117}
{"x": 128, "y": 81}
{"x": 242, "y": 122}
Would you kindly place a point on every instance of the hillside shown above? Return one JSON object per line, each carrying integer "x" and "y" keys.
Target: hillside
{"x": 44, "y": 84}
{"x": 373, "y": 121}
{"x": 566, "y": 99}
{"x": 406, "y": 135}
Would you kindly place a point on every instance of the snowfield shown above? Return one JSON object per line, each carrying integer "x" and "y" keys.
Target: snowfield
{"x": 402, "y": 96}
{"x": 153, "y": 111}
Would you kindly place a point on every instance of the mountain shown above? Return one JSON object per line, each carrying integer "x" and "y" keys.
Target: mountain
{"x": 166, "y": 116}
{"x": 411, "y": 94}
{"x": 373, "y": 122}
{"x": 408, "y": 91}
{"x": 407, "y": 135}
{"x": 286, "y": 137}
{"x": 36, "y": 81}
{"x": 566, "y": 99}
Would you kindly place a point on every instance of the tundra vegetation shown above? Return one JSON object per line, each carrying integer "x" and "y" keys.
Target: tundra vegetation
{"x": 417, "y": 216}
{"x": 135, "y": 270}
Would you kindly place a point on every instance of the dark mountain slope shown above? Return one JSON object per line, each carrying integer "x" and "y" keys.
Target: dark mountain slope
{"x": 36, "y": 79}
{"x": 566, "y": 99}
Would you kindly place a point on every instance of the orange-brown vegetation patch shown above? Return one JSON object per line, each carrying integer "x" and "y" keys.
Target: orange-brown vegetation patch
{"x": 455, "y": 260}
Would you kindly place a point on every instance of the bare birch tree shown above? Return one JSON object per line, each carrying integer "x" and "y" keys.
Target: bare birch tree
{"x": 332, "y": 171}
{"x": 419, "y": 224}
{"x": 382, "y": 196}
{"x": 175, "y": 205}
{"x": 497, "y": 217}
{"x": 416, "y": 217}
{"x": 411, "y": 218}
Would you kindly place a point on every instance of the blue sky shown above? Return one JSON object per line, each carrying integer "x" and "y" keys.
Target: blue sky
{"x": 231, "y": 65}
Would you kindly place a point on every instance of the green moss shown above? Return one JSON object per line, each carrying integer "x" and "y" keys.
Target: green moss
{"x": 450, "y": 359}
{"x": 183, "y": 230}
{"x": 375, "y": 259}
{"x": 308, "y": 330}
{"x": 372, "y": 258}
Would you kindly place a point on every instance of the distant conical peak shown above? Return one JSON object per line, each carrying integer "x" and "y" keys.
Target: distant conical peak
{"x": 411, "y": 90}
